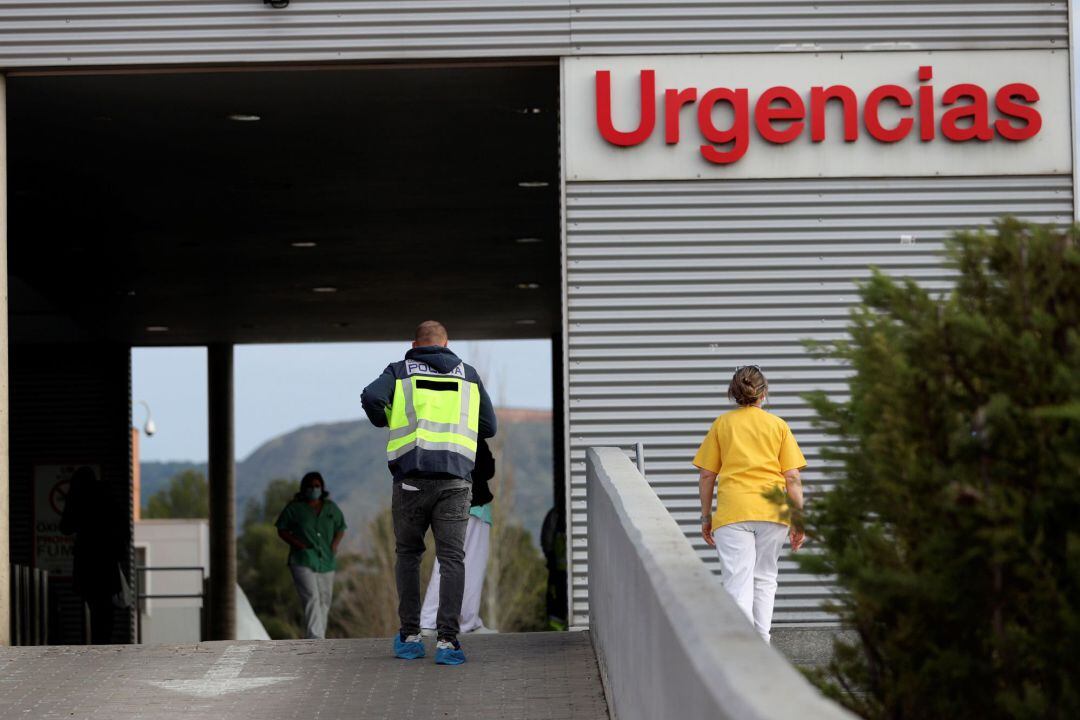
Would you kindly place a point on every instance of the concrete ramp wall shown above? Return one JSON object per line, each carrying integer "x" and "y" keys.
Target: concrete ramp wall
{"x": 670, "y": 642}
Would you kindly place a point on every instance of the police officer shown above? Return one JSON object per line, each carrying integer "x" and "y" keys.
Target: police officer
{"x": 436, "y": 409}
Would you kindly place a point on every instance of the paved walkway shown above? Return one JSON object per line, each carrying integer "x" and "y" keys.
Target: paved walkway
{"x": 537, "y": 675}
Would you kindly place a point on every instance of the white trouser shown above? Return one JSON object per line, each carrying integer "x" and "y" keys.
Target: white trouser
{"x": 316, "y": 590}
{"x": 477, "y": 536}
{"x": 749, "y": 553}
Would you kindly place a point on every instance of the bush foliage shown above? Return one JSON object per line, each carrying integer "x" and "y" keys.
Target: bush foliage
{"x": 186, "y": 496}
{"x": 953, "y": 527}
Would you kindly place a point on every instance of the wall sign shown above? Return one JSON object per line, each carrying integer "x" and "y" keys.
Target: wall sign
{"x": 817, "y": 115}
{"x": 53, "y": 551}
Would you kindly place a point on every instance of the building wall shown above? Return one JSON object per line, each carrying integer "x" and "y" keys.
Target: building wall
{"x": 670, "y": 285}
{"x": 69, "y": 405}
{"x": 181, "y": 543}
{"x": 51, "y": 33}
{"x": 629, "y": 313}
{"x": 172, "y": 544}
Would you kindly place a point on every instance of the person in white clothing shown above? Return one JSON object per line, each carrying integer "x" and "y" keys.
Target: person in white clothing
{"x": 477, "y": 547}
{"x": 752, "y": 460}
{"x": 477, "y": 538}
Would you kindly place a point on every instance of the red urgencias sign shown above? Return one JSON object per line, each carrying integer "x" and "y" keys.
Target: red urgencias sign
{"x": 781, "y": 114}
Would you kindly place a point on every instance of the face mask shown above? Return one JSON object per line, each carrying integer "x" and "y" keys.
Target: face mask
{"x": 313, "y": 493}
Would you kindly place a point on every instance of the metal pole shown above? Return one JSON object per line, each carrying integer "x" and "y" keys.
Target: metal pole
{"x": 45, "y": 607}
{"x": 136, "y": 577}
{"x": 5, "y": 505}
{"x": 35, "y": 600}
{"x": 222, "y": 467}
{"x": 1074, "y": 70}
{"x": 639, "y": 458}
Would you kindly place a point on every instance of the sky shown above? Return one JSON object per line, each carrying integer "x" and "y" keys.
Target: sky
{"x": 282, "y": 387}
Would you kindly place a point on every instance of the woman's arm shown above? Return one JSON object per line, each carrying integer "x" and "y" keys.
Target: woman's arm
{"x": 793, "y": 482}
{"x": 706, "y": 482}
{"x": 337, "y": 540}
{"x": 292, "y": 539}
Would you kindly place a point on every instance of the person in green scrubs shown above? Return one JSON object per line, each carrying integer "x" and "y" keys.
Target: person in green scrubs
{"x": 313, "y": 526}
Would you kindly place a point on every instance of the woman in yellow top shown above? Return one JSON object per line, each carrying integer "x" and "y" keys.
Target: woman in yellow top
{"x": 753, "y": 453}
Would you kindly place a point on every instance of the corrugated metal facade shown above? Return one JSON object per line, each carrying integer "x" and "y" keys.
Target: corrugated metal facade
{"x": 677, "y": 26}
{"x": 76, "y": 33}
{"x": 137, "y": 32}
{"x": 670, "y": 285}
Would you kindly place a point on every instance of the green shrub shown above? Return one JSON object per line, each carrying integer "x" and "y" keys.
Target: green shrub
{"x": 954, "y": 525}
{"x": 186, "y": 496}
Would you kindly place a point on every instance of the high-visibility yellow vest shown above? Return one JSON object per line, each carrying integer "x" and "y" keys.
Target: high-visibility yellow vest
{"x": 433, "y": 411}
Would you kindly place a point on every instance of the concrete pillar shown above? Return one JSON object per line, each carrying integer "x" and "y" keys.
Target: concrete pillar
{"x": 559, "y": 446}
{"x": 222, "y": 478}
{"x": 558, "y": 419}
{"x": 5, "y": 477}
{"x": 136, "y": 477}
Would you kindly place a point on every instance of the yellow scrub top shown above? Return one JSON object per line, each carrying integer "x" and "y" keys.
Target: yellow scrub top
{"x": 749, "y": 449}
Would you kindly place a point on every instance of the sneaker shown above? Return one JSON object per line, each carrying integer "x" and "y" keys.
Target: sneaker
{"x": 408, "y": 647}
{"x": 448, "y": 652}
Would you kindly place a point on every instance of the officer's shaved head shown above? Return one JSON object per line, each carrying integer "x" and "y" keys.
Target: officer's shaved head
{"x": 431, "y": 332}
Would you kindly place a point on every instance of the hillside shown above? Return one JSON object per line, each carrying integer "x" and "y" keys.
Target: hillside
{"x": 351, "y": 456}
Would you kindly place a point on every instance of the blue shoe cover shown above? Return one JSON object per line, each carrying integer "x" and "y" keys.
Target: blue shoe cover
{"x": 407, "y": 650}
{"x": 449, "y": 655}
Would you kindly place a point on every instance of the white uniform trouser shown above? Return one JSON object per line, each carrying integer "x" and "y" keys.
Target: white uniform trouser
{"x": 316, "y": 590}
{"x": 749, "y": 553}
{"x": 477, "y": 536}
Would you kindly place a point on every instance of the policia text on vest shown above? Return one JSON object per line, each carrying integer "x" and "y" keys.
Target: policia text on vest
{"x": 436, "y": 408}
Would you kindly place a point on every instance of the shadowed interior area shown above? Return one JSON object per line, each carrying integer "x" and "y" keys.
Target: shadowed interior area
{"x": 361, "y": 201}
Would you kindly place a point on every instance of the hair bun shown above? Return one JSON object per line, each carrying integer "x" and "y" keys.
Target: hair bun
{"x": 748, "y": 385}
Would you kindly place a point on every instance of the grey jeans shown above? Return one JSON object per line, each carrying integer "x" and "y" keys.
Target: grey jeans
{"x": 442, "y": 505}
{"x": 316, "y": 591}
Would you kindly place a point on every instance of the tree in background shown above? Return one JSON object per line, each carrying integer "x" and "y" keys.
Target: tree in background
{"x": 261, "y": 563}
{"x": 952, "y": 528}
{"x": 365, "y": 599}
{"x": 365, "y": 596}
{"x": 186, "y": 496}
{"x": 516, "y": 582}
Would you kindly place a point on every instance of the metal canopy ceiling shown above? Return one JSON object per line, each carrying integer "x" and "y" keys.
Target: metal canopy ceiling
{"x": 137, "y": 202}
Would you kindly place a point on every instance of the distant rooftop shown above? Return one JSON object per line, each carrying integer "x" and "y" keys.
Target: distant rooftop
{"x": 520, "y": 415}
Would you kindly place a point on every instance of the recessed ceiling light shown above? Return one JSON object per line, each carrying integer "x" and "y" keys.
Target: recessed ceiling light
{"x": 530, "y": 110}
{"x": 528, "y": 285}
{"x": 525, "y": 321}
{"x": 303, "y": 244}
{"x": 324, "y": 289}
{"x": 528, "y": 240}
{"x": 244, "y": 117}
{"x": 157, "y": 328}
{"x": 533, "y": 184}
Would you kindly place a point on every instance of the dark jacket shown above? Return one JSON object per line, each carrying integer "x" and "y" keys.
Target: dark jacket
{"x": 99, "y": 540}
{"x": 379, "y": 395}
{"x": 482, "y": 472}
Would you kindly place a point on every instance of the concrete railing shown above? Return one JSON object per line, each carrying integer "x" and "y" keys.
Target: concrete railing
{"x": 669, "y": 640}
